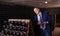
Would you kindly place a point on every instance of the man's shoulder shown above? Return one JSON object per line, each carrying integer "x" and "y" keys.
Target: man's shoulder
{"x": 43, "y": 12}
{"x": 35, "y": 15}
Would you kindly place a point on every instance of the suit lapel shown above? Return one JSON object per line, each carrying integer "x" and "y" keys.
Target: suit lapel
{"x": 44, "y": 16}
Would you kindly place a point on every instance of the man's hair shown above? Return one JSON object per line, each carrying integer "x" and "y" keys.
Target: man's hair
{"x": 36, "y": 7}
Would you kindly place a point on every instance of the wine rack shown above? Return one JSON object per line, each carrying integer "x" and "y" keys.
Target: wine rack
{"x": 15, "y": 27}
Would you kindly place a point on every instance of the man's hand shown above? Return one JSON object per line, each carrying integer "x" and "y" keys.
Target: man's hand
{"x": 45, "y": 22}
{"x": 42, "y": 22}
{"x": 39, "y": 23}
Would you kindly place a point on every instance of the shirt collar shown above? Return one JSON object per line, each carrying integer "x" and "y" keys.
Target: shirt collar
{"x": 39, "y": 13}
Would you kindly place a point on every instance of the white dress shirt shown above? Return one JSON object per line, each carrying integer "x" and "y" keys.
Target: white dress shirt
{"x": 39, "y": 16}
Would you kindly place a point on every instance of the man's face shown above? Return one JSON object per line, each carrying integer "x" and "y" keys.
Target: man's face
{"x": 36, "y": 10}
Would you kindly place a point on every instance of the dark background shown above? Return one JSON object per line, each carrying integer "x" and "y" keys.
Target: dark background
{"x": 15, "y": 11}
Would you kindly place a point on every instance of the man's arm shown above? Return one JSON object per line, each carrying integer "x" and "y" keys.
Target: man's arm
{"x": 49, "y": 19}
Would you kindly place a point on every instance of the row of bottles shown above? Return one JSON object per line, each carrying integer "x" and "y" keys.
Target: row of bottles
{"x": 14, "y": 28}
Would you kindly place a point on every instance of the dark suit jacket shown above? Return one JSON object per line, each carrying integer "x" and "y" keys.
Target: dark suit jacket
{"x": 36, "y": 27}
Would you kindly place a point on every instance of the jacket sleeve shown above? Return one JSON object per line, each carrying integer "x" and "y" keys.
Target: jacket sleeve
{"x": 50, "y": 22}
{"x": 49, "y": 18}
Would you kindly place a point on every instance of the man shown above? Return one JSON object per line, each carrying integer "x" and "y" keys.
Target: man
{"x": 41, "y": 23}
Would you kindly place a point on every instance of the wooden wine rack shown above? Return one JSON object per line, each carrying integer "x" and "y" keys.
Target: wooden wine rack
{"x": 27, "y": 21}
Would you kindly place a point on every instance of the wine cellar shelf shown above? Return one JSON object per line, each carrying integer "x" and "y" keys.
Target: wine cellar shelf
{"x": 15, "y": 27}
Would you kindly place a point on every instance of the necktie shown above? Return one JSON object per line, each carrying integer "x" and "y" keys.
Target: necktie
{"x": 42, "y": 26}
